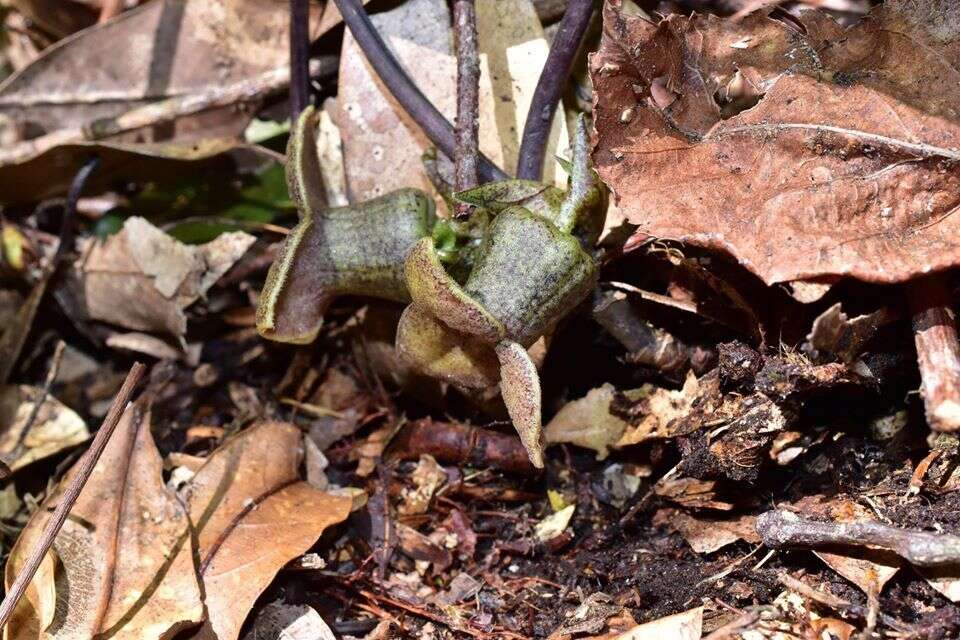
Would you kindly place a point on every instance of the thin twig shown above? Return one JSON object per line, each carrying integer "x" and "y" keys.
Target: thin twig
{"x": 465, "y": 153}
{"x": 418, "y": 107}
{"x": 919, "y": 149}
{"x": 299, "y": 57}
{"x": 39, "y": 400}
{"x": 938, "y": 353}
{"x": 782, "y": 528}
{"x": 84, "y": 469}
{"x": 553, "y": 79}
{"x": 248, "y": 90}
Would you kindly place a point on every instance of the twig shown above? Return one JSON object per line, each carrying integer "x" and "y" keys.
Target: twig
{"x": 553, "y": 79}
{"x": 299, "y": 57}
{"x": 468, "y": 100}
{"x": 462, "y": 445}
{"x": 248, "y": 90}
{"x": 938, "y": 353}
{"x": 85, "y": 468}
{"x": 781, "y": 528}
{"x": 919, "y": 149}
{"x": 434, "y": 125}
{"x": 40, "y": 399}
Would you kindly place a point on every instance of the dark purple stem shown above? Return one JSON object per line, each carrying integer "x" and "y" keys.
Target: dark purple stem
{"x": 299, "y": 57}
{"x": 70, "y": 209}
{"x": 434, "y": 125}
{"x": 546, "y": 96}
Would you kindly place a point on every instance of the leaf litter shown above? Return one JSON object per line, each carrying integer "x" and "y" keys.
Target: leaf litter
{"x": 332, "y": 490}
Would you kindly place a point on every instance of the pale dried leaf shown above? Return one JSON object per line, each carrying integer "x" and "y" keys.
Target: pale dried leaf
{"x": 282, "y": 621}
{"x": 554, "y": 524}
{"x": 512, "y": 49}
{"x": 587, "y": 422}
{"x": 687, "y": 625}
{"x": 57, "y": 427}
{"x": 143, "y": 279}
{"x": 125, "y": 551}
{"x": 252, "y": 515}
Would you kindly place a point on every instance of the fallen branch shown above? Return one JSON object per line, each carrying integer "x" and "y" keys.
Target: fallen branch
{"x": 782, "y": 528}
{"x": 163, "y": 111}
{"x": 938, "y": 353}
{"x": 85, "y": 468}
{"x": 552, "y": 80}
{"x": 461, "y": 444}
{"x": 467, "y": 150}
{"x": 434, "y": 125}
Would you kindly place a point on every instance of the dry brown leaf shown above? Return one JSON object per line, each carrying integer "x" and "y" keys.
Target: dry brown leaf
{"x": 662, "y": 408}
{"x": 692, "y": 493}
{"x": 835, "y": 335}
{"x": 706, "y": 535}
{"x": 124, "y": 557}
{"x": 171, "y": 48}
{"x": 56, "y": 427}
{"x": 143, "y": 279}
{"x": 869, "y": 569}
{"x": 252, "y": 515}
{"x": 687, "y": 625}
{"x": 847, "y": 165}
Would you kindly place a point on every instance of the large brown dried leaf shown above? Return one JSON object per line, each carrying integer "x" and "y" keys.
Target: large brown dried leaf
{"x": 846, "y": 166}
{"x": 125, "y": 559}
{"x": 167, "y": 48}
{"x": 143, "y": 279}
{"x": 252, "y": 515}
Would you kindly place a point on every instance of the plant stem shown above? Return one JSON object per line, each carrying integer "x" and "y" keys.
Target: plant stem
{"x": 546, "y": 96}
{"x": 70, "y": 208}
{"x": 299, "y": 57}
{"x": 434, "y": 125}
{"x": 85, "y": 468}
{"x": 467, "y": 149}
{"x": 938, "y": 353}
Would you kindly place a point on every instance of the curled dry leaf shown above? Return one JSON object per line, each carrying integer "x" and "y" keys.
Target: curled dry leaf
{"x": 289, "y": 622}
{"x": 252, "y": 515}
{"x": 56, "y": 427}
{"x": 143, "y": 279}
{"x": 835, "y": 335}
{"x": 803, "y": 153}
{"x": 123, "y": 560}
{"x": 663, "y": 407}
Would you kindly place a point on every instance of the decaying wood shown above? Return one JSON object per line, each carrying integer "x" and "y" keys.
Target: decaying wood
{"x": 938, "y": 353}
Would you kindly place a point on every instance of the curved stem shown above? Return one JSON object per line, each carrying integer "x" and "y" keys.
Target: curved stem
{"x": 546, "y": 96}
{"x": 70, "y": 209}
{"x": 434, "y": 125}
{"x": 299, "y": 57}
